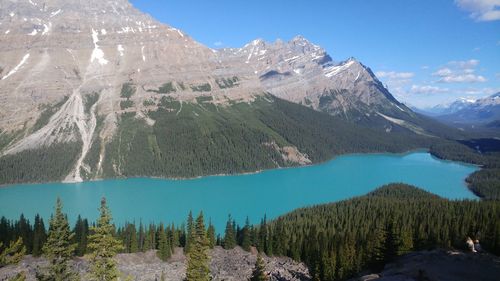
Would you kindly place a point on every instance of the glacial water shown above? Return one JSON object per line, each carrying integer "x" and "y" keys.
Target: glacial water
{"x": 270, "y": 193}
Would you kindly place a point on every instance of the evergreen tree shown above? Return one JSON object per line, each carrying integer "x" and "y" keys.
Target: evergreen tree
{"x": 197, "y": 268}
{"x": 175, "y": 237}
{"x": 164, "y": 249}
{"x": 141, "y": 237}
{"x": 245, "y": 236}
{"x": 39, "y": 236}
{"x": 259, "y": 273}
{"x": 81, "y": 232}
{"x": 134, "y": 246}
{"x": 59, "y": 248}
{"x": 230, "y": 235}
{"x": 13, "y": 253}
{"x": 103, "y": 246}
{"x": 190, "y": 232}
{"x": 211, "y": 235}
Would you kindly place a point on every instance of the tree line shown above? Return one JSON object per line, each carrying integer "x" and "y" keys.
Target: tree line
{"x": 336, "y": 241}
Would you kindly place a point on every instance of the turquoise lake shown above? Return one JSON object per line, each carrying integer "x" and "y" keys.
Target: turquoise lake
{"x": 273, "y": 192}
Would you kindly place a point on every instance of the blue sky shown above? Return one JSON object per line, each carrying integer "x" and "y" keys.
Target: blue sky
{"x": 426, "y": 51}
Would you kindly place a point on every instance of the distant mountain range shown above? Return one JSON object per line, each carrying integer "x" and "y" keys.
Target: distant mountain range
{"x": 484, "y": 112}
{"x": 105, "y": 84}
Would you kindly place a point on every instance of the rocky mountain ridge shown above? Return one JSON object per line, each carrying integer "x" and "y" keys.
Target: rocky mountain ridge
{"x": 70, "y": 70}
{"x": 480, "y": 111}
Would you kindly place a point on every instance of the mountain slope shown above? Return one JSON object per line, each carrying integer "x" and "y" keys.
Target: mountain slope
{"x": 193, "y": 139}
{"x": 482, "y": 111}
{"x": 91, "y": 76}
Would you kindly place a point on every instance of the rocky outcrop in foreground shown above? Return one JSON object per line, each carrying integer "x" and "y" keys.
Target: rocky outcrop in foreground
{"x": 225, "y": 265}
{"x": 440, "y": 265}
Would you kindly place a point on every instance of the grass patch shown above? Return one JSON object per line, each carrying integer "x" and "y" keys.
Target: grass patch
{"x": 128, "y": 90}
{"x": 201, "y": 88}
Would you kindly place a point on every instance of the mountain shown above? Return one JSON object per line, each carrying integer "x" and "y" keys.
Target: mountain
{"x": 481, "y": 111}
{"x": 93, "y": 89}
{"x": 445, "y": 109}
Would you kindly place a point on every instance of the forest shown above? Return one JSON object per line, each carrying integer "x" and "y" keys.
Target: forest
{"x": 191, "y": 139}
{"x": 336, "y": 241}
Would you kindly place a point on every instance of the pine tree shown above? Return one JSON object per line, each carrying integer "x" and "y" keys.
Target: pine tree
{"x": 59, "y": 248}
{"x": 175, "y": 237}
{"x": 164, "y": 249}
{"x": 259, "y": 273}
{"x": 197, "y": 268}
{"x": 39, "y": 236}
{"x": 211, "y": 235}
{"x": 246, "y": 242}
{"x": 230, "y": 235}
{"x": 141, "y": 237}
{"x": 134, "y": 246}
{"x": 12, "y": 254}
{"x": 103, "y": 246}
{"x": 81, "y": 232}
{"x": 190, "y": 232}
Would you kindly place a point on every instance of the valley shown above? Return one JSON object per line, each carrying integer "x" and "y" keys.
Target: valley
{"x": 261, "y": 160}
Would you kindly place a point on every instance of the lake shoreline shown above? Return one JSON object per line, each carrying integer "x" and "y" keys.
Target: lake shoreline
{"x": 403, "y": 153}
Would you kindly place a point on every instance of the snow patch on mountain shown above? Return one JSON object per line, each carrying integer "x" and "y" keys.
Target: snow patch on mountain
{"x": 97, "y": 54}
{"x": 13, "y": 71}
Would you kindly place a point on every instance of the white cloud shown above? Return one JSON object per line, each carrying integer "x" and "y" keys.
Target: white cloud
{"x": 443, "y": 72}
{"x": 459, "y": 72}
{"x": 463, "y": 78}
{"x": 479, "y": 91}
{"x": 218, "y": 44}
{"x": 464, "y": 63}
{"x": 427, "y": 89}
{"x": 481, "y": 10}
{"x": 395, "y": 75}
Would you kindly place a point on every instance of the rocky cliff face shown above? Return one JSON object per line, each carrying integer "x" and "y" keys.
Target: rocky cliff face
{"x": 70, "y": 66}
{"x": 439, "y": 265}
{"x": 229, "y": 265}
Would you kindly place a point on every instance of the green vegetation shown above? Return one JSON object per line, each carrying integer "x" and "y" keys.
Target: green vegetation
{"x": 128, "y": 90}
{"x": 92, "y": 158}
{"x": 258, "y": 273}
{"x": 166, "y": 88}
{"x": 164, "y": 247}
{"x": 148, "y": 102}
{"x": 103, "y": 247}
{"x": 126, "y": 104}
{"x": 201, "y": 88}
{"x": 234, "y": 139}
{"x": 47, "y": 113}
{"x": 339, "y": 240}
{"x": 204, "y": 99}
{"x": 89, "y": 101}
{"x": 485, "y": 182}
{"x": 198, "y": 260}
{"x": 230, "y": 234}
{"x": 6, "y": 138}
{"x": 182, "y": 86}
{"x": 13, "y": 253}
{"x": 225, "y": 83}
{"x": 336, "y": 241}
{"x": 39, "y": 165}
{"x": 58, "y": 249}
